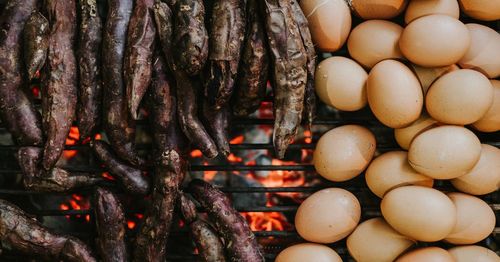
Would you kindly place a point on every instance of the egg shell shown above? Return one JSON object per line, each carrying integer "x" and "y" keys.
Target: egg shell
{"x": 445, "y": 152}
{"x": 434, "y": 40}
{"x": 373, "y": 41}
{"x": 473, "y": 253}
{"x": 328, "y": 215}
{"x": 341, "y": 82}
{"x": 329, "y": 22}
{"x": 427, "y": 254}
{"x": 375, "y": 240}
{"x": 377, "y": 9}
{"x": 394, "y": 94}
{"x": 483, "y": 54}
{"x": 484, "y": 178}
{"x": 421, "y": 213}
{"x": 344, "y": 152}
{"x": 475, "y": 220}
{"x": 419, "y": 8}
{"x": 391, "y": 170}
{"x": 404, "y": 136}
{"x": 486, "y": 10}
{"x": 308, "y": 252}
{"x": 460, "y": 97}
{"x": 427, "y": 75}
{"x": 490, "y": 122}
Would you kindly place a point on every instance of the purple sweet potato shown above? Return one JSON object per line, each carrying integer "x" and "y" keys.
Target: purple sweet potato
{"x": 59, "y": 91}
{"x": 217, "y": 124}
{"x": 16, "y": 109}
{"x": 35, "y": 43}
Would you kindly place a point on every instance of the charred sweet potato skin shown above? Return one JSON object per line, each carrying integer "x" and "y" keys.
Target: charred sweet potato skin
{"x": 254, "y": 65}
{"x": 16, "y": 108}
{"x": 240, "y": 242}
{"x": 217, "y": 125}
{"x": 119, "y": 126}
{"x": 110, "y": 223}
{"x": 164, "y": 27}
{"x": 59, "y": 92}
{"x": 89, "y": 111}
{"x": 19, "y": 231}
{"x": 35, "y": 43}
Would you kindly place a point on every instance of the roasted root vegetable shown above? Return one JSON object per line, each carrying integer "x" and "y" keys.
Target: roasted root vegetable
{"x": 89, "y": 110}
{"x": 169, "y": 166}
{"x": 16, "y": 109}
{"x": 131, "y": 179}
{"x": 119, "y": 126}
{"x": 208, "y": 242}
{"x": 254, "y": 66}
{"x": 59, "y": 91}
{"x": 217, "y": 124}
{"x": 227, "y": 32}
{"x": 54, "y": 180}
{"x": 289, "y": 62}
{"x": 305, "y": 34}
{"x": 35, "y": 43}
{"x": 164, "y": 26}
{"x": 20, "y": 232}
{"x": 110, "y": 224}
{"x": 139, "y": 53}
{"x": 239, "y": 240}
{"x": 190, "y": 37}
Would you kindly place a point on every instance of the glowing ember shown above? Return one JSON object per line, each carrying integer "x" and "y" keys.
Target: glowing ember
{"x": 196, "y": 153}
{"x": 73, "y": 137}
{"x": 76, "y": 202}
{"x": 130, "y": 224}
{"x": 107, "y": 176}
{"x": 307, "y": 136}
{"x": 267, "y": 221}
{"x": 233, "y": 158}
{"x": 209, "y": 174}
{"x": 237, "y": 140}
{"x": 36, "y": 91}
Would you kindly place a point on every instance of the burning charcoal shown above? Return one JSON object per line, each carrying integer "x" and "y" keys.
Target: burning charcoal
{"x": 208, "y": 242}
{"x": 36, "y": 40}
{"x": 54, "y": 180}
{"x": 20, "y": 232}
{"x": 110, "y": 222}
{"x": 16, "y": 110}
{"x": 240, "y": 242}
{"x": 129, "y": 177}
{"x": 247, "y": 199}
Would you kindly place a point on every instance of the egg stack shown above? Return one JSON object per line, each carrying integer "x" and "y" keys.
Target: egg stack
{"x": 433, "y": 80}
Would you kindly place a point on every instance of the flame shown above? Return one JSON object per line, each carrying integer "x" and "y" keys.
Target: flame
{"x": 73, "y": 137}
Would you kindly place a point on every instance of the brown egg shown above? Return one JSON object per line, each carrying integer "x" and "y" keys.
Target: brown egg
{"x": 328, "y": 215}
{"x": 329, "y": 22}
{"x": 308, "y": 252}
{"x": 486, "y": 10}
{"x": 440, "y": 152}
{"x": 404, "y": 136}
{"x": 375, "y": 240}
{"x": 490, "y": 122}
{"x": 391, "y": 170}
{"x": 434, "y": 40}
{"x": 484, "y": 51}
{"x": 427, "y": 75}
{"x": 475, "y": 220}
{"x": 394, "y": 94}
{"x": 377, "y": 9}
{"x": 344, "y": 152}
{"x": 373, "y": 41}
{"x": 484, "y": 178}
{"x": 421, "y": 213}
{"x": 419, "y": 8}
{"x": 427, "y": 254}
{"x": 460, "y": 97}
{"x": 473, "y": 253}
{"x": 341, "y": 82}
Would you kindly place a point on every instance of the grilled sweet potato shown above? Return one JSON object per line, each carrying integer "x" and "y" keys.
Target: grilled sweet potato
{"x": 89, "y": 111}
{"x": 254, "y": 66}
{"x": 110, "y": 223}
{"x": 164, "y": 27}
{"x": 20, "y": 232}
{"x": 227, "y": 32}
{"x": 119, "y": 126}
{"x": 59, "y": 92}
{"x": 240, "y": 242}
{"x": 16, "y": 109}
{"x": 217, "y": 124}
{"x": 35, "y": 43}
{"x": 289, "y": 61}
{"x": 139, "y": 53}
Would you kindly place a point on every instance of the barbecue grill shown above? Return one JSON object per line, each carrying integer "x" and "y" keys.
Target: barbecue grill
{"x": 180, "y": 247}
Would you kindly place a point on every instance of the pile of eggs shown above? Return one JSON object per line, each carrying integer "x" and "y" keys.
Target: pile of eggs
{"x": 432, "y": 81}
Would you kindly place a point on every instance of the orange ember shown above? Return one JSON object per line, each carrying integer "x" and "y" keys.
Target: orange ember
{"x": 209, "y": 174}
{"x": 196, "y": 153}
{"x": 307, "y": 136}
{"x": 237, "y": 140}
{"x": 266, "y": 221}
{"x": 73, "y": 137}
{"x": 233, "y": 158}
{"x": 131, "y": 224}
{"x": 76, "y": 202}
{"x": 36, "y": 91}
{"x": 107, "y": 176}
